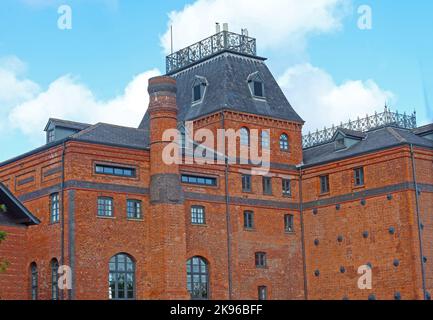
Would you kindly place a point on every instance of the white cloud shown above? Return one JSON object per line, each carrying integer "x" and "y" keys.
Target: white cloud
{"x": 321, "y": 102}
{"x": 67, "y": 98}
{"x": 13, "y": 87}
{"x": 277, "y": 23}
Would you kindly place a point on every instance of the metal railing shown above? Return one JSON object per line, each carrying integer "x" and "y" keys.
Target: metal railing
{"x": 369, "y": 122}
{"x": 221, "y": 41}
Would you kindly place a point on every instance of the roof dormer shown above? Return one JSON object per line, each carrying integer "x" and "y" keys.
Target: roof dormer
{"x": 424, "y": 131}
{"x": 57, "y": 129}
{"x": 256, "y": 85}
{"x": 345, "y": 138}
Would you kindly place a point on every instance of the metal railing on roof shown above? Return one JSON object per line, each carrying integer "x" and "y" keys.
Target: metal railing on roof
{"x": 222, "y": 41}
{"x": 368, "y": 123}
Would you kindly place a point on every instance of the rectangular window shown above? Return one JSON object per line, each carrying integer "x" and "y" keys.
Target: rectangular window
{"x": 263, "y": 293}
{"x": 258, "y": 89}
{"x": 105, "y": 207}
{"x": 197, "y": 215}
{"x": 267, "y": 185}
{"x": 115, "y": 171}
{"x": 260, "y": 260}
{"x": 50, "y": 135}
{"x": 249, "y": 220}
{"x": 199, "y": 180}
{"x": 289, "y": 223}
{"x": 287, "y": 190}
{"x": 54, "y": 208}
{"x": 197, "y": 92}
{"x": 324, "y": 184}
{"x": 133, "y": 209}
{"x": 246, "y": 183}
{"x": 359, "y": 177}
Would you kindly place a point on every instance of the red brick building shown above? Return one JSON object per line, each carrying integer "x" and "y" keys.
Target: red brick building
{"x": 101, "y": 199}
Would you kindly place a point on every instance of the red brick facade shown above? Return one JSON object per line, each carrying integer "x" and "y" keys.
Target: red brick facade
{"x": 334, "y": 233}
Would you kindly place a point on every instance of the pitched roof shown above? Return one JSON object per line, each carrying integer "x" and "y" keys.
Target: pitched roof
{"x": 377, "y": 139}
{"x": 424, "y": 129}
{"x": 66, "y": 124}
{"x": 16, "y": 211}
{"x": 352, "y": 133}
{"x": 114, "y": 135}
{"x": 228, "y": 89}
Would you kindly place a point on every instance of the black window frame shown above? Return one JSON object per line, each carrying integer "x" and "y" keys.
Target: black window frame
{"x": 261, "y": 260}
{"x": 118, "y": 268}
{"x": 54, "y": 264}
{"x": 258, "y": 88}
{"x": 249, "y": 220}
{"x": 286, "y": 186}
{"x": 262, "y": 293}
{"x": 198, "y": 215}
{"x": 134, "y": 209}
{"x": 104, "y": 206}
{"x": 115, "y": 170}
{"x": 34, "y": 281}
{"x": 197, "y": 268}
{"x": 359, "y": 177}
{"x": 54, "y": 208}
{"x": 199, "y": 180}
{"x": 246, "y": 183}
{"x": 289, "y": 223}
{"x": 284, "y": 142}
{"x": 324, "y": 184}
{"x": 267, "y": 185}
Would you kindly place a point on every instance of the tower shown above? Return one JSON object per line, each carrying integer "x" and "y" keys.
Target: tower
{"x": 167, "y": 234}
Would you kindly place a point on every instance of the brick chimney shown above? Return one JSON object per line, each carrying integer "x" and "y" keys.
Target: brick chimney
{"x": 167, "y": 212}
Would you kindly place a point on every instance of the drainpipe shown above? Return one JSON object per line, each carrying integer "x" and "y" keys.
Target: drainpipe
{"x": 228, "y": 222}
{"x": 418, "y": 220}
{"x": 62, "y": 226}
{"x": 301, "y": 210}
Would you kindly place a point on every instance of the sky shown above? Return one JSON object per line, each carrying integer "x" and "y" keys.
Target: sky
{"x": 90, "y": 61}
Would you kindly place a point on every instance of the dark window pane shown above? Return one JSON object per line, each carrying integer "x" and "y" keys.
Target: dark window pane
{"x": 197, "y": 92}
{"x": 258, "y": 89}
{"x": 121, "y": 279}
{"x": 197, "y": 278}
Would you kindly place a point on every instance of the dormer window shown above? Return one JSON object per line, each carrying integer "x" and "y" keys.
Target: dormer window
{"x": 339, "y": 144}
{"x": 50, "y": 135}
{"x": 256, "y": 85}
{"x": 198, "y": 89}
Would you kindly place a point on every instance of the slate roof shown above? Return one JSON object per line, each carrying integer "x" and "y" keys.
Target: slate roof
{"x": 228, "y": 89}
{"x": 67, "y": 124}
{"x": 352, "y": 133}
{"x": 376, "y": 139}
{"x": 114, "y": 135}
{"x": 16, "y": 212}
{"x": 423, "y": 130}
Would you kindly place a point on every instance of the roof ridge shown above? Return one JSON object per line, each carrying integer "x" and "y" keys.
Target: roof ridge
{"x": 396, "y": 134}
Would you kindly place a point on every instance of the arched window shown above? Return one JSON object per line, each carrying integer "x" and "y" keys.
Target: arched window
{"x": 284, "y": 142}
{"x": 197, "y": 278}
{"x": 34, "y": 281}
{"x": 54, "y": 279}
{"x": 266, "y": 144}
{"x": 121, "y": 278}
{"x": 245, "y": 136}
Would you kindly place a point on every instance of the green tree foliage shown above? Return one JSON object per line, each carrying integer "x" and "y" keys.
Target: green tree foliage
{"x": 3, "y": 264}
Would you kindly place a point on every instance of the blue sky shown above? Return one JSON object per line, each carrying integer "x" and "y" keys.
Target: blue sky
{"x": 328, "y": 68}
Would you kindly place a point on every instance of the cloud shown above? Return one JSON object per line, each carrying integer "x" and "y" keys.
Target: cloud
{"x": 277, "y": 23}
{"x": 67, "y": 98}
{"x": 13, "y": 87}
{"x": 322, "y": 102}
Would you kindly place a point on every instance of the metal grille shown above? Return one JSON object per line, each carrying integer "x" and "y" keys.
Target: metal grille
{"x": 222, "y": 41}
{"x": 369, "y": 122}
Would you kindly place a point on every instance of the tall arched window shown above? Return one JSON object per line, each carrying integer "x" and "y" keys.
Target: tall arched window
{"x": 284, "y": 142}
{"x": 121, "y": 278}
{"x": 34, "y": 281}
{"x": 266, "y": 144}
{"x": 197, "y": 278}
{"x": 54, "y": 279}
{"x": 245, "y": 136}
